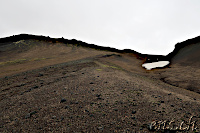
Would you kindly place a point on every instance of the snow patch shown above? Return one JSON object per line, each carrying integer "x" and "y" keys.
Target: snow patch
{"x": 152, "y": 65}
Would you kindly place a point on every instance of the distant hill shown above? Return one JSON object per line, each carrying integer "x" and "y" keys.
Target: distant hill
{"x": 145, "y": 57}
{"x": 185, "y": 53}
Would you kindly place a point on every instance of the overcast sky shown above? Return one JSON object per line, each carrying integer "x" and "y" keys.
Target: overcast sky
{"x": 147, "y": 26}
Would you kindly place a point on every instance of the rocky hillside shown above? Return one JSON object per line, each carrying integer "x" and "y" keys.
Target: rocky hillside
{"x": 60, "y": 85}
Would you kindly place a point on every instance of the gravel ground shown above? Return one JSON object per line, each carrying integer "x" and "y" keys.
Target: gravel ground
{"x": 92, "y": 95}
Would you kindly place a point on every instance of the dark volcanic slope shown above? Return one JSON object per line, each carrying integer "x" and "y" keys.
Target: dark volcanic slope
{"x": 90, "y": 95}
{"x": 185, "y": 66}
{"x": 189, "y": 55}
{"x": 186, "y": 53}
{"x": 60, "y": 85}
{"x": 22, "y": 52}
{"x": 38, "y": 51}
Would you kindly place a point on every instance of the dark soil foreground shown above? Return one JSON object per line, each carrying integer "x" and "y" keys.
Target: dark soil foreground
{"x": 91, "y": 95}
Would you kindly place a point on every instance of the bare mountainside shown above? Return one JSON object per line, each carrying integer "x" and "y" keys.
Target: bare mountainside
{"x": 60, "y": 85}
{"x": 185, "y": 65}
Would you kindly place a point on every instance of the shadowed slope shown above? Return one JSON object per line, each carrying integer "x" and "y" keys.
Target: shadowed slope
{"x": 186, "y": 53}
{"x": 184, "y": 68}
{"x": 188, "y": 56}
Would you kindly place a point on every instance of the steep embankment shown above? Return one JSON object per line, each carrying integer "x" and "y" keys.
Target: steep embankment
{"x": 184, "y": 71}
{"x": 186, "y": 53}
